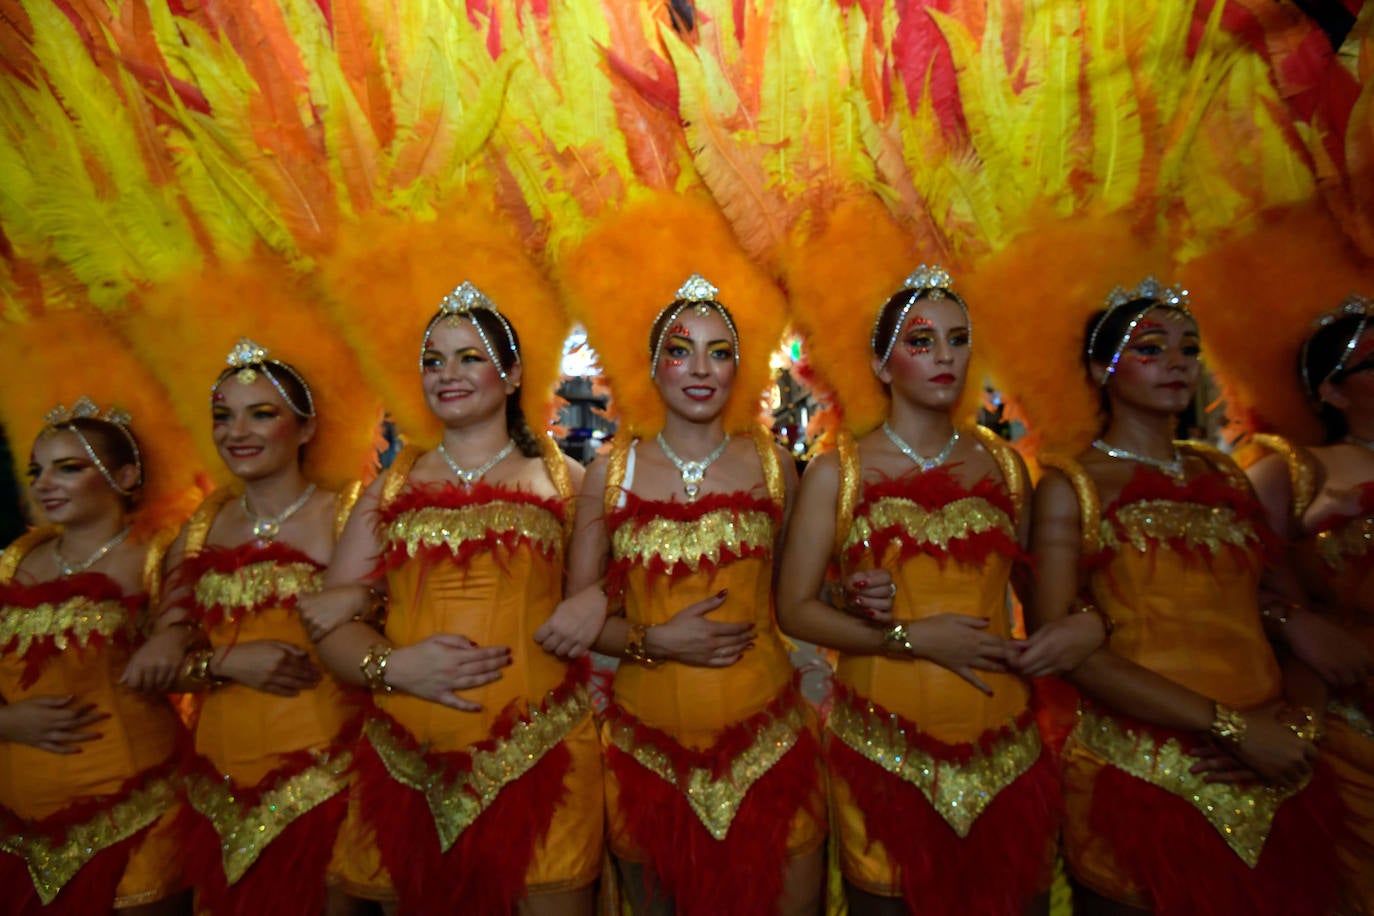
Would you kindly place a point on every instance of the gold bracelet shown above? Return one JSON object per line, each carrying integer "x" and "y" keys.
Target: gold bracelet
{"x": 196, "y": 669}
{"x": 376, "y": 608}
{"x": 373, "y": 667}
{"x": 1087, "y": 607}
{"x": 1228, "y": 726}
{"x": 1303, "y": 722}
{"x": 634, "y": 646}
{"x": 1278, "y": 612}
{"x": 897, "y": 641}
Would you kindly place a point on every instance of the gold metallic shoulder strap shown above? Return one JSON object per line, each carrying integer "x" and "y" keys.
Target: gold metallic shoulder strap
{"x": 1218, "y": 459}
{"x": 152, "y": 566}
{"x": 395, "y": 478}
{"x": 616, "y": 460}
{"x": 198, "y": 527}
{"x": 19, "y": 549}
{"x": 851, "y": 485}
{"x": 1009, "y": 463}
{"x": 344, "y": 502}
{"x": 1303, "y": 471}
{"x": 556, "y": 466}
{"x": 772, "y": 466}
{"x": 1089, "y": 504}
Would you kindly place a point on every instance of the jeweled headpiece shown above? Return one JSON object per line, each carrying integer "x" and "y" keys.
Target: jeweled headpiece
{"x": 247, "y": 359}
{"x": 698, "y": 293}
{"x": 1354, "y": 306}
{"x": 931, "y": 282}
{"x": 62, "y": 418}
{"x": 460, "y": 303}
{"x": 1150, "y": 294}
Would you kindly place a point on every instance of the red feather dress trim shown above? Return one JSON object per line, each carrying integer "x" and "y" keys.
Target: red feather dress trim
{"x": 703, "y": 876}
{"x": 92, "y": 889}
{"x": 230, "y": 560}
{"x": 484, "y": 870}
{"x": 638, "y": 512}
{"x": 90, "y": 588}
{"x": 1166, "y": 847}
{"x": 1005, "y": 859}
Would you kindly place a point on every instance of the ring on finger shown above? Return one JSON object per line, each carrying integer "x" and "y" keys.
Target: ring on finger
{"x": 892, "y": 589}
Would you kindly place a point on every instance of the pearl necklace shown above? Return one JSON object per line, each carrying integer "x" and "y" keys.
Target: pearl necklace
{"x": 922, "y": 462}
{"x": 1173, "y": 469}
{"x": 693, "y": 472}
{"x": 68, "y": 568}
{"x": 267, "y": 527}
{"x": 469, "y": 477}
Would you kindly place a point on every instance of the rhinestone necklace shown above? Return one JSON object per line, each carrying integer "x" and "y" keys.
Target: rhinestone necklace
{"x": 922, "y": 462}
{"x": 267, "y": 527}
{"x": 1173, "y": 469}
{"x": 693, "y": 472}
{"x": 1362, "y": 443}
{"x": 469, "y": 477}
{"x": 68, "y": 568}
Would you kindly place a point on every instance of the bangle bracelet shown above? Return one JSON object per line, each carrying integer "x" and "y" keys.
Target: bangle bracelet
{"x": 376, "y": 607}
{"x": 1303, "y": 722}
{"x": 1087, "y": 607}
{"x": 897, "y": 641}
{"x": 634, "y": 646}
{"x": 196, "y": 669}
{"x": 373, "y": 667}
{"x": 1228, "y": 726}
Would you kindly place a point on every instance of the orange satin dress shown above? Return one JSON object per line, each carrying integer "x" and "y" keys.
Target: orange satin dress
{"x": 1336, "y": 565}
{"x": 931, "y": 780}
{"x": 1176, "y": 567}
{"x": 269, "y": 774}
{"x": 712, "y": 778}
{"x": 472, "y": 811}
{"x": 81, "y": 832}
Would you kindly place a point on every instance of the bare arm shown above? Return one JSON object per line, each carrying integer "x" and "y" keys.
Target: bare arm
{"x": 577, "y": 621}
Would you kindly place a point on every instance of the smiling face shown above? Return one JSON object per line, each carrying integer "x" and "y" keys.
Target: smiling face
{"x": 696, "y": 365}
{"x": 254, "y": 430}
{"x": 460, "y": 381}
{"x": 66, "y": 485}
{"x": 930, "y": 357}
{"x": 1160, "y": 365}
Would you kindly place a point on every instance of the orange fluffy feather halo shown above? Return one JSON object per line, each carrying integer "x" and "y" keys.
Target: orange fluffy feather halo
{"x": 618, "y": 277}
{"x": 384, "y": 280}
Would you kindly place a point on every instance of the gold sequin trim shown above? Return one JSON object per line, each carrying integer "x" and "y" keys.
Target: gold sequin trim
{"x": 344, "y": 502}
{"x": 695, "y": 543}
{"x": 73, "y": 621}
{"x": 455, "y": 804}
{"x": 52, "y": 865}
{"x": 1302, "y": 471}
{"x": 961, "y": 518}
{"x": 257, "y": 584}
{"x": 1355, "y": 538}
{"x": 245, "y": 832}
{"x": 716, "y": 801}
{"x": 1243, "y": 815}
{"x": 767, "y": 447}
{"x": 959, "y": 792}
{"x": 1008, "y": 462}
{"x": 437, "y": 526}
{"x": 851, "y": 485}
{"x": 198, "y": 526}
{"x": 1355, "y": 718}
{"x": 394, "y": 479}
{"x": 1162, "y": 520}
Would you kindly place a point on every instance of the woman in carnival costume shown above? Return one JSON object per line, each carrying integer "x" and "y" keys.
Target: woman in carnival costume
{"x": 87, "y": 792}
{"x": 478, "y": 777}
{"x": 713, "y": 784}
{"x": 1322, "y": 499}
{"x": 1189, "y": 787}
{"x": 267, "y": 783}
{"x": 942, "y": 797}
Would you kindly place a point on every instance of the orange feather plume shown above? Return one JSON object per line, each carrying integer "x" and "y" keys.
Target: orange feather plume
{"x": 628, "y": 267}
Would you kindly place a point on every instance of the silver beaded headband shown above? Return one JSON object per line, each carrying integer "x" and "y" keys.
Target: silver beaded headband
{"x": 930, "y": 282}
{"x": 247, "y": 359}
{"x": 1354, "y": 306}
{"x": 1157, "y": 295}
{"x": 699, "y": 293}
{"x": 460, "y": 303}
{"x": 60, "y": 418}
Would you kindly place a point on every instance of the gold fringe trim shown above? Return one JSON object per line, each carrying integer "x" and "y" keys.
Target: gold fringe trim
{"x": 1243, "y": 815}
{"x": 246, "y": 832}
{"x": 439, "y": 526}
{"x": 73, "y": 621}
{"x": 961, "y": 518}
{"x": 455, "y": 804}
{"x": 52, "y": 865}
{"x": 692, "y": 544}
{"x": 1355, "y": 538}
{"x": 959, "y": 792}
{"x": 257, "y": 584}
{"x": 1163, "y": 520}
{"x": 715, "y": 801}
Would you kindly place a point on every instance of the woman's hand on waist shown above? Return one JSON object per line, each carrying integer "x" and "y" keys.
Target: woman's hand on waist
{"x": 267, "y": 665}
{"x": 325, "y": 611}
{"x": 691, "y": 638}
{"x": 56, "y": 724}
{"x": 958, "y": 642}
{"x": 438, "y": 665}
